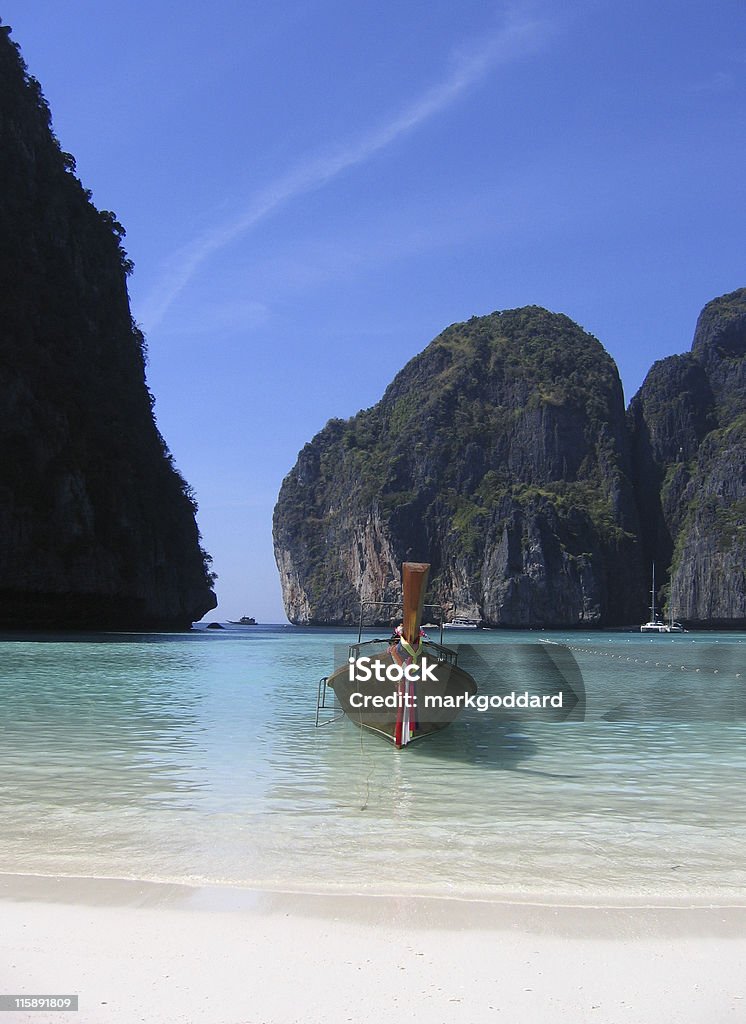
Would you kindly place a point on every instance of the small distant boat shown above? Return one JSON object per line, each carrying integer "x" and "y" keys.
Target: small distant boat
{"x": 460, "y": 622}
{"x": 389, "y": 703}
{"x": 656, "y": 624}
{"x": 673, "y": 626}
{"x": 245, "y": 620}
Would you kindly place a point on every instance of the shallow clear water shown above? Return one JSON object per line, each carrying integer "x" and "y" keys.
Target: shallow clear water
{"x": 195, "y": 758}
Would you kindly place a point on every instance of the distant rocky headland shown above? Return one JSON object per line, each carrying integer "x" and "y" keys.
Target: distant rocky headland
{"x": 97, "y": 528}
{"x": 503, "y": 455}
{"x": 687, "y": 426}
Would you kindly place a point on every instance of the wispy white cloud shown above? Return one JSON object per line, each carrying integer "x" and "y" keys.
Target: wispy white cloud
{"x": 720, "y": 81}
{"x": 469, "y": 67}
{"x": 227, "y": 316}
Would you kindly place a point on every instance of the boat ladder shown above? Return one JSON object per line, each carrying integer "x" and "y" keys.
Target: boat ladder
{"x": 326, "y": 713}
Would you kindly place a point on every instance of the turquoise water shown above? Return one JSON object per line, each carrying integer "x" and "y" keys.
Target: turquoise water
{"x": 194, "y": 758}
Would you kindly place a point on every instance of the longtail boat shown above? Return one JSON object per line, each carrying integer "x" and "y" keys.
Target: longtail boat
{"x": 414, "y": 686}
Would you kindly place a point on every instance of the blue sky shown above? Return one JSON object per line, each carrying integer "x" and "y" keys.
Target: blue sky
{"x": 313, "y": 190}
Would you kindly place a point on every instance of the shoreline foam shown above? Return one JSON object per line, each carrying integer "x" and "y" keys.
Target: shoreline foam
{"x": 108, "y": 892}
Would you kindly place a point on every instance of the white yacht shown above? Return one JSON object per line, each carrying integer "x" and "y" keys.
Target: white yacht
{"x": 460, "y": 622}
{"x": 656, "y": 624}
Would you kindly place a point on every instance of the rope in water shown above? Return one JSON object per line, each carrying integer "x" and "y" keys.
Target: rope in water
{"x": 647, "y": 661}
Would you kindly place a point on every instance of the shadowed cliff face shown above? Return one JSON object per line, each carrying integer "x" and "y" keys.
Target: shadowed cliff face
{"x": 500, "y": 455}
{"x": 688, "y": 426}
{"x": 97, "y": 528}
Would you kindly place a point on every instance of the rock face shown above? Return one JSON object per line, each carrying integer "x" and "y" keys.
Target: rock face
{"x": 97, "y": 529}
{"x": 688, "y": 427}
{"x": 500, "y": 455}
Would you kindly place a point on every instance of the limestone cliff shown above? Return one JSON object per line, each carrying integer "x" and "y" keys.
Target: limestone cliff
{"x": 500, "y": 455}
{"x": 688, "y": 426}
{"x": 97, "y": 529}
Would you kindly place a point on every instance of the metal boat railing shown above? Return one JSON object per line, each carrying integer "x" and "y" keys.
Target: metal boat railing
{"x": 397, "y": 606}
{"x": 322, "y": 706}
{"x": 440, "y": 651}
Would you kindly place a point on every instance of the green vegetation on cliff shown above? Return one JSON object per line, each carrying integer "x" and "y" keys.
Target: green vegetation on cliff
{"x": 499, "y": 455}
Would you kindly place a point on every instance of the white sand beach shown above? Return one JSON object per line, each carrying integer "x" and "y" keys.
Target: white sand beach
{"x": 156, "y": 953}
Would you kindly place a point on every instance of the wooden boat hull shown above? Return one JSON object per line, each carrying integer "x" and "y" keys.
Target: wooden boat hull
{"x": 451, "y": 687}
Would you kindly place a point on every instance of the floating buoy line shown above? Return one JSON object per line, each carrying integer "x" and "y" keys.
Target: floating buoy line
{"x": 645, "y": 661}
